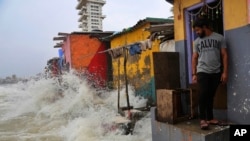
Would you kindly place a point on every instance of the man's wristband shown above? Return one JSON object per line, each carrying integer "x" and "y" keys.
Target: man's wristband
{"x": 193, "y": 74}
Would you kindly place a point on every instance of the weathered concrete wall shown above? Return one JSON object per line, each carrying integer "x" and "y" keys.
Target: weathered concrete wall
{"x": 180, "y": 46}
{"x": 139, "y": 67}
{"x": 238, "y": 41}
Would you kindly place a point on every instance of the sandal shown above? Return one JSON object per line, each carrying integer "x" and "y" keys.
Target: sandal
{"x": 203, "y": 125}
{"x": 213, "y": 122}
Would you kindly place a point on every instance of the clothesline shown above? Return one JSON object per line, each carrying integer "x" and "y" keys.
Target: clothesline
{"x": 146, "y": 43}
{"x": 112, "y": 49}
{"x": 104, "y": 51}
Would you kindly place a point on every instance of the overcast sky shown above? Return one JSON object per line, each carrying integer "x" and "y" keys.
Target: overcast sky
{"x": 27, "y": 28}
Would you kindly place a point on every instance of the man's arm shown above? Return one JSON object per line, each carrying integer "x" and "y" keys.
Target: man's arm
{"x": 194, "y": 65}
{"x": 194, "y": 62}
{"x": 224, "y": 56}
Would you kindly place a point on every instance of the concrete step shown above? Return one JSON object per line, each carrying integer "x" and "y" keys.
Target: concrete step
{"x": 188, "y": 130}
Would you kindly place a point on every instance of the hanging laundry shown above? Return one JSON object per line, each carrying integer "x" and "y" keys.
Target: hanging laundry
{"x": 111, "y": 53}
{"x": 153, "y": 36}
{"x": 116, "y": 53}
{"x": 143, "y": 45}
{"x": 135, "y": 49}
{"x": 149, "y": 44}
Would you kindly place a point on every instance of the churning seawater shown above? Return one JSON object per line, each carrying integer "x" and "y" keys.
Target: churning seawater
{"x": 36, "y": 111}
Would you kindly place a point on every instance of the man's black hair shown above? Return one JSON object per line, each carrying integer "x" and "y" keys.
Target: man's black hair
{"x": 201, "y": 22}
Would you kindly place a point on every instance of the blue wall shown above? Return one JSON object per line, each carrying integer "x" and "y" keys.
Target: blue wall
{"x": 238, "y": 41}
{"x": 238, "y": 87}
{"x": 180, "y": 47}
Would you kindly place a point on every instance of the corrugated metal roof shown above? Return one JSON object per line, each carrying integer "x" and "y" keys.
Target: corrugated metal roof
{"x": 162, "y": 31}
{"x": 140, "y": 23}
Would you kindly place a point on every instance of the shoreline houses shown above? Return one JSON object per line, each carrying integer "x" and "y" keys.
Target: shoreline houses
{"x": 154, "y": 53}
{"x": 92, "y": 52}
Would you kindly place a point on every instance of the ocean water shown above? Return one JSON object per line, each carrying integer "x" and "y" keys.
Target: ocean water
{"x": 43, "y": 110}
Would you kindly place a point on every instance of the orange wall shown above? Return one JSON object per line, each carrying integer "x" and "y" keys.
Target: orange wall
{"x": 81, "y": 52}
{"x": 83, "y": 49}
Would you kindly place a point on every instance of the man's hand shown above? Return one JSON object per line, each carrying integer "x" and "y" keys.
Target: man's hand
{"x": 194, "y": 78}
{"x": 223, "y": 78}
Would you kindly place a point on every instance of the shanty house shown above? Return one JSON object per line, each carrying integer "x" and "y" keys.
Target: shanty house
{"x": 135, "y": 65}
{"x": 82, "y": 53}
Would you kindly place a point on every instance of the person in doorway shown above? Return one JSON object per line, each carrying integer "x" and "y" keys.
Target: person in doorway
{"x": 209, "y": 68}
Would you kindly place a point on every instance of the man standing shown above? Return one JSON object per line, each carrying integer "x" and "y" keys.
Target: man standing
{"x": 209, "y": 68}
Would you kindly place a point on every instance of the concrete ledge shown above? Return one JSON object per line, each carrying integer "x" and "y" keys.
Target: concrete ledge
{"x": 186, "y": 131}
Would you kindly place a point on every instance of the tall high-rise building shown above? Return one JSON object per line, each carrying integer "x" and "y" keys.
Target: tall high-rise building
{"x": 90, "y": 14}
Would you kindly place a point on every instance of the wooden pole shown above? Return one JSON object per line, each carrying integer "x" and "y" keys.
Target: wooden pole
{"x": 125, "y": 74}
{"x": 118, "y": 103}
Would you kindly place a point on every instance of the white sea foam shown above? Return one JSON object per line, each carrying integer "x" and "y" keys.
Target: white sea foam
{"x": 43, "y": 110}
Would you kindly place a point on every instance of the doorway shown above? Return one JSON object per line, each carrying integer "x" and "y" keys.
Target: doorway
{"x": 212, "y": 10}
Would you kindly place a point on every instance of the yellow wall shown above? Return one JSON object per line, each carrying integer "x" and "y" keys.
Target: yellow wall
{"x": 179, "y": 22}
{"x": 235, "y": 14}
{"x": 139, "y": 67}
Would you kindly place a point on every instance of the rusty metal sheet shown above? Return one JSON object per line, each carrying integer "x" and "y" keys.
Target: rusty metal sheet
{"x": 166, "y": 70}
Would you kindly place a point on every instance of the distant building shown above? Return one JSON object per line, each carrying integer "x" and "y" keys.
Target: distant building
{"x": 90, "y": 14}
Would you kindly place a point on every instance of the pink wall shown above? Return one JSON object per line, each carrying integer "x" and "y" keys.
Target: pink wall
{"x": 66, "y": 50}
